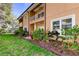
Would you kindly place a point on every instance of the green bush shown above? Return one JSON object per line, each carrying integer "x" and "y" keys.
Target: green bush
{"x": 21, "y": 32}
{"x": 72, "y": 33}
{"x": 39, "y": 34}
{"x": 65, "y": 45}
{"x": 75, "y": 46}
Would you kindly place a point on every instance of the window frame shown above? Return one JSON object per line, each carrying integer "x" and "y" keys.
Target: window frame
{"x": 60, "y": 20}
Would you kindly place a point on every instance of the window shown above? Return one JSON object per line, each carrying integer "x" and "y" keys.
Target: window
{"x": 56, "y": 24}
{"x": 40, "y": 14}
{"x": 63, "y": 23}
{"x": 67, "y": 23}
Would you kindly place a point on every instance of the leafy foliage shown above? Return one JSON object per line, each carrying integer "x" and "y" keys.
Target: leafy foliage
{"x": 39, "y": 34}
{"x": 9, "y": 19}
{"x": 72, "y": 32}
{"x": 75, "y": 46}
{"x": 7, "y": 10}
{"x": 2, "y": 30}
{"x": 65, "y": 45}
{"x": 21, "y": 32}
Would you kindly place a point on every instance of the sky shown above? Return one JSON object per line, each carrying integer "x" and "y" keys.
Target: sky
{"x": 19, "y": 8}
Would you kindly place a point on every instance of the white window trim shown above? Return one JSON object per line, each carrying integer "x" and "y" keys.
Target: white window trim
{"x": 61, "y": 18}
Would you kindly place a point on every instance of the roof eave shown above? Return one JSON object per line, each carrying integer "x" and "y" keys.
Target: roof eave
{"x": 24, "y": 12}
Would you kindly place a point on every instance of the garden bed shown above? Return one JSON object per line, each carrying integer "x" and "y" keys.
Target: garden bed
{"x": 56, "y": 47}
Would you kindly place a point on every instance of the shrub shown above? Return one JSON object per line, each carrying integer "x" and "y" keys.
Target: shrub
{"x": 21, "y": 32}
{"x": 75, "y": 46}
{"x": 65, "y": 45}
{"x": 39, "y": 34}
{"x": 72, "y": 32}
{"x": 25, "y": 33}
{"x": 16, "y": 32}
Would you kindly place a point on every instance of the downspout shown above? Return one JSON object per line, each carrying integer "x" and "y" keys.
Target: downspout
{"x": 45, "y": 17}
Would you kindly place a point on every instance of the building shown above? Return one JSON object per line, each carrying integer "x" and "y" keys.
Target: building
{"x": 50, "y": 16}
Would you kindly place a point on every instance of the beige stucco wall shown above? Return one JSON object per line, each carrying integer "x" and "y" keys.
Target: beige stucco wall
{"x": 25, "y": 21}
{"x": 20, "y": 24}
{"x": 56, "y": 10}
{"x": 40, "y": 25}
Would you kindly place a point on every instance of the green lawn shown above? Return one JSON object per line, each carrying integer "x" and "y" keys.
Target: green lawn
{"x": 11, "y": 45}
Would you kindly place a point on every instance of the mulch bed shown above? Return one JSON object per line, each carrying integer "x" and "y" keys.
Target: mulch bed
{"x": 55, "y": 47}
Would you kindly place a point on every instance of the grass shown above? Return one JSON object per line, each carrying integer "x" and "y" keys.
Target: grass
{"x": 11, "y": 45}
